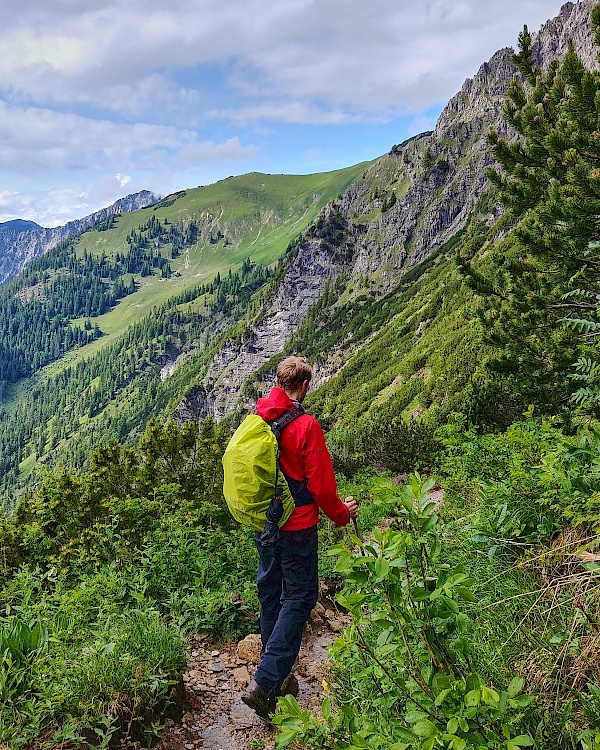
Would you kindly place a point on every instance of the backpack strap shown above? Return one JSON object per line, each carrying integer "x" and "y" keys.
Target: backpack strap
{"x": 277, "y": 426}
{"x": 271, "y": 531}
{"x": 288, "y": 416}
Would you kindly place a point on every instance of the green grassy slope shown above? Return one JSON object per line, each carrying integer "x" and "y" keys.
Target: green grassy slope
{"x": 254, "y": 216}
{"x": 257, "y": 214}
{"x": 428, "y": 339}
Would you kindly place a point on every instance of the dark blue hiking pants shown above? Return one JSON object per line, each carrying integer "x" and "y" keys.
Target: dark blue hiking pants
{"x": 288, "y": 586}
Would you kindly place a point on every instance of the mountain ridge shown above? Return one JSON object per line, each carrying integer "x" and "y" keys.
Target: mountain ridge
{"x": 19, "y": 244}
{"x": 436, "y": 181}
{"x": 18, "y": 225}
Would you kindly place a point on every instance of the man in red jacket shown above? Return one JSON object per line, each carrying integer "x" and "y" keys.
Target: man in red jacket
{"x": 288, "y": 583}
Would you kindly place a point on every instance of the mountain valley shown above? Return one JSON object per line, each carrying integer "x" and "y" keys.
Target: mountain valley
{"x": 446, "y": 294}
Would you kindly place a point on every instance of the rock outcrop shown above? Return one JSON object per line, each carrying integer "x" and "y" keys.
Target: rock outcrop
{"x": 407, "y": 205}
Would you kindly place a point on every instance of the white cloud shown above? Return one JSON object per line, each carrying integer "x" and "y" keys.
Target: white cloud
{"x": 313, "y": 154}
{"x": 337, "y": 54}
{"x": 47, "y": 208}
{"x": 381, "y": 56}
{"x": 34, "y": 138}
{"x": 44, "y": 147}
{"x": 230, "y": 151}
{"x": 421, "y": 123}
{"x": 56, "y": 207}
{"x": 291, "y": 113}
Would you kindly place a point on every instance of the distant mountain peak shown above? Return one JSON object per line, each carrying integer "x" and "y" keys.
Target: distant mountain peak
{"x": 21, "y": 241}
{"x": 18, "y": 225}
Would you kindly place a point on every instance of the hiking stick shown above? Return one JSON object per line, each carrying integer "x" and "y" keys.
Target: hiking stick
{"x": 357, "y": 532}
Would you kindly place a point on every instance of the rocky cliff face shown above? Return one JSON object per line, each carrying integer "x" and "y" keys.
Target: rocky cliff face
{"x": 19, "y": 245}
{"x": 573, "y": 22}
{"x": 408, "y": 204}
{"x": 438, "y": 179}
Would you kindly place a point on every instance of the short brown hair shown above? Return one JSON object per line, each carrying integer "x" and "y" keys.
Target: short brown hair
{"x": 292, "y": 372}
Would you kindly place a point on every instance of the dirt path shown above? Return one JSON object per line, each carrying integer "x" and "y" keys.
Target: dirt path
{"x": 216, "y": 718}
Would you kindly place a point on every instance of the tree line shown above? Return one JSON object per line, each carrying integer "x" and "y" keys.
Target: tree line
{"x": 126, "y": 373}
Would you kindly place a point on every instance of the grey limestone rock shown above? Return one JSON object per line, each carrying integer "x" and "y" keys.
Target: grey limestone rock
{"x": 437, "y": 180}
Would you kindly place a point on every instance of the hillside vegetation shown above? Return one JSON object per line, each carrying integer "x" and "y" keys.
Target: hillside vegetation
{"x": 209, "y": 230}
{"x": 104, "y": 311}
{"x": 476, "y": 619}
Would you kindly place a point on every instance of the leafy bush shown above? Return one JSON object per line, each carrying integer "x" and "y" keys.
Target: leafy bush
{"x": 113, "y": 564}
{"x": 386, "y": 442}
{"x": 82, "y": 666}
{"x": 80, "y": 521}
{"x": 10, "y": 552}
{"x": 534, "y": 478}
{"x": 407, "y": 649}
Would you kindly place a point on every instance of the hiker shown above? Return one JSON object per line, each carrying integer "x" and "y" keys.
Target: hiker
{"x": 287, "y": 579}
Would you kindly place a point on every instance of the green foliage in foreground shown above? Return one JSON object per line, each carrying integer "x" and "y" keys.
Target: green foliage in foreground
{"x": 535, "y": 479}
{"x": 470, "y": 621}
{"x": 474, "y": 625}
{"x": 408, "y": 648}
{"x": 103, "y": 575}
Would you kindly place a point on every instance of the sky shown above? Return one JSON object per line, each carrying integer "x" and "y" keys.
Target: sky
{"x": 102, "y": 98}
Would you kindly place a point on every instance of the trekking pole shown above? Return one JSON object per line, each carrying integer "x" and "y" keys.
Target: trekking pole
{"x": 362, "y": 551}
{"x": 357, "y": 532}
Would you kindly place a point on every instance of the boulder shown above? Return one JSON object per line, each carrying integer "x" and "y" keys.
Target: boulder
{"x": 249, "y": 648}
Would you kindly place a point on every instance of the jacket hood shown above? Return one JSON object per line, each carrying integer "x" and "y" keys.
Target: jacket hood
{"x": 274, "y": 405}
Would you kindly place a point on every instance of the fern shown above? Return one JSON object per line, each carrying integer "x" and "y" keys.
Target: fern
{"x": 581, "y": 325}
{"x": 586, "y": 368}
{"x": 585, "y": 397}
{"x": 579, "y": 293}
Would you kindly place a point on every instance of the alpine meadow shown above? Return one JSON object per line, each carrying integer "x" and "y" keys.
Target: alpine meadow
{"x": 447, "y": 295}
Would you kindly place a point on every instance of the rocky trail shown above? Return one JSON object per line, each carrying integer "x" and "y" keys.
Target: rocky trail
{"x": 215, "y": 717}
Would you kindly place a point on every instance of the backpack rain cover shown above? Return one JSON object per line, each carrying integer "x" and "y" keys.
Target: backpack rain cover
{"x": 249, "y": 468}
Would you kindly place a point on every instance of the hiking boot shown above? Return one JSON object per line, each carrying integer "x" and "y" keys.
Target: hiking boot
{"x": 256, "y": 699}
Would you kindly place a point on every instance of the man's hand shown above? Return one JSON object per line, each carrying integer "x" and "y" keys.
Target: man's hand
{"x": 350, "y": 503}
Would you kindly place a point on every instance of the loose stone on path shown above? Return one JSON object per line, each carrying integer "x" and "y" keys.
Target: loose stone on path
{"x": 217, "y": 718}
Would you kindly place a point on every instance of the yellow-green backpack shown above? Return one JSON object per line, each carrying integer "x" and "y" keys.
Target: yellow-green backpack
{"x": 254, "y": 487}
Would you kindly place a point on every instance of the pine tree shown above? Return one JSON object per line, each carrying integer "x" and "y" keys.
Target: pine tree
{"x": 547, "y": 272}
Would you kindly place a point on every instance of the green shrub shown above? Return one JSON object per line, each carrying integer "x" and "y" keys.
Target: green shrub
{"x": 83, "y": 662}
{"x": 405, "y": 657}
{"x": 387, "y": 442}
{"x": 10, "y": 547}
{"x": 533, "y": 477}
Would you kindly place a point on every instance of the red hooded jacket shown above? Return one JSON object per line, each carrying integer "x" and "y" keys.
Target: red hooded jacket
{"x": 304, "y": 455}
